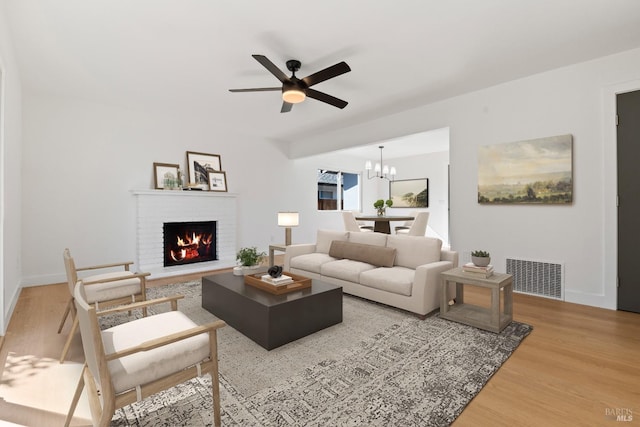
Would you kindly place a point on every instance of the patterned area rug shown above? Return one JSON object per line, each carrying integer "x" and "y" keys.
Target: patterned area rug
{"x": 379, "y": 367}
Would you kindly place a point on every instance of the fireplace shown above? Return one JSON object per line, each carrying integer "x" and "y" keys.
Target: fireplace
{"x": 189, "y": 242}
{"x": 154, "y": 208}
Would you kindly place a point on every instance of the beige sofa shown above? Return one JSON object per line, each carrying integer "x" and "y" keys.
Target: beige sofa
{"x": 400, "y": 271}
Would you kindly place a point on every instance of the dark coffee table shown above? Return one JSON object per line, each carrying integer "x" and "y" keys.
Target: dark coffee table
{"x": 271, "y": 320}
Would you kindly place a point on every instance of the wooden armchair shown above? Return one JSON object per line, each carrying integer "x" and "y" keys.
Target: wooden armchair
{"x": 131, "y": 361}
{"x": 114, "y": 287}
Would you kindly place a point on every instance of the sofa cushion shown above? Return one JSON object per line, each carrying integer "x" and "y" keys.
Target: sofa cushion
{"x": 398, "y": 280}
{"x": 345, "y": 269}
{"x": 412, "y": 251}
{"x": 310, "y": 262}
{"x": 325, "y": 237}
{"x": 379, "y": 256}
{"x": 378, "y": 239}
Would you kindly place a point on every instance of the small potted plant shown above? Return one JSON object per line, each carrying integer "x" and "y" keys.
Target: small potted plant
{"x": 380, "y": 205}
{"x": 249, "y": 259}
{"x": 480, "y": 258}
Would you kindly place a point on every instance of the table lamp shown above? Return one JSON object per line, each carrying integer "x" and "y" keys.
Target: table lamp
{"x": 287, "y": 220}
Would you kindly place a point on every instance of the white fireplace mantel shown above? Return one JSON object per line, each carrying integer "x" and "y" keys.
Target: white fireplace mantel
{"x": 185, "y": 193}
{"x": 155, "y": 207}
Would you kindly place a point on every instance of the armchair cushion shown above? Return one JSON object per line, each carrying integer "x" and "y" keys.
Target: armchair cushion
{"x": 111, "y": 290}
{"x": 144, "y": 367}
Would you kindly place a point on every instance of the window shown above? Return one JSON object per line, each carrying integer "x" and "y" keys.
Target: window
{"x": 338, "y": 191}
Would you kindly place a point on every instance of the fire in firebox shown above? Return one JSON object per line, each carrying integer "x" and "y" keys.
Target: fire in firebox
{"x": 189, "y": 242}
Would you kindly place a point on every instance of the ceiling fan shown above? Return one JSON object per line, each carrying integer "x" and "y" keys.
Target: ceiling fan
{"x": 295, "y": 90}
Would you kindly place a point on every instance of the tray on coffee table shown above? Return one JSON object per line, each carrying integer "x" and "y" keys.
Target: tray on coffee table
{"x": 299, "y": 282}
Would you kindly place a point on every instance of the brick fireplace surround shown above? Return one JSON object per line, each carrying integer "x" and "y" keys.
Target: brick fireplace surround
{"x": 155, "y": 207}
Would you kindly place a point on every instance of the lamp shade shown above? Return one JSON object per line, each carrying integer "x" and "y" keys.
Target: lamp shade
{"x": 380, "y": 169}
{"x": 288, "y": 219}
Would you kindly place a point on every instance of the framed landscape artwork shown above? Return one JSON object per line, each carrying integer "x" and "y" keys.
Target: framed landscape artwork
{"x": 537, "y": 171}
{"x": 199, "y": 165}
{"x": 164, "y": 172}
{"x": 218, "y": 181}
{"x": 409, "y": 193}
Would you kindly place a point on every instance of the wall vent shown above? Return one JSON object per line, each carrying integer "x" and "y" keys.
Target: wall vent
{"x": 537, "y": 277}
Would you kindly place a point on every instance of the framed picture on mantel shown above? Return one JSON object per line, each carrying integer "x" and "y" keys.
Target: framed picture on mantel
{"x": 218, "y": 181}
{"x": 199, "y": 165}
{"x": 165, "y": 175}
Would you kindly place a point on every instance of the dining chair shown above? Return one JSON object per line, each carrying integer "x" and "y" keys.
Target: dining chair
{"x": 364, "y": 227}
{"x": 404, "y": 228}
{"x": 418, "y": 227}
{"x": 350, "y": 223}
{"x": 133, "y": 360}
{"x": 104, "y": 289}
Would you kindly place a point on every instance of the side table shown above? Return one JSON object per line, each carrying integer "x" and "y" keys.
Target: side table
{"x": 280, "y": 247}
{"x": 490, "y": 319}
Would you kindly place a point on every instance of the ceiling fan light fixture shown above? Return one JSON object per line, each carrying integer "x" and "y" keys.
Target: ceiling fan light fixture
{"x": 295, "y": 90}
{"x": 293, "y": 96}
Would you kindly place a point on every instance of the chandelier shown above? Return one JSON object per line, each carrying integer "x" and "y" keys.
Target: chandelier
{"x": 381, "y": 170}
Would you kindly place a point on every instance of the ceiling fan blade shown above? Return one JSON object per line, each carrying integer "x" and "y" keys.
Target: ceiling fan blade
{"x": 271, "y": 67}
{"x": 286, "y": 107}
{"x": 258, "y": 89}
{"x": 321, "y": 96}
{"x": 326, "y": 74}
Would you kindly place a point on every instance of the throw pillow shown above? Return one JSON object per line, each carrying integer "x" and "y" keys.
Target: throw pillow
{"x": 379, "y": 256}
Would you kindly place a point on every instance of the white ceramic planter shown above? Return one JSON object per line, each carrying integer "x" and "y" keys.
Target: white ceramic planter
{"x": 481, "y": 261}
{"x": 242, "y": 270}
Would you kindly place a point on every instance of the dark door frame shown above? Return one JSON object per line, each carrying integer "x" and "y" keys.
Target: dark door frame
{"x": 609, "y": 296}
{"x": 628, "y": 206}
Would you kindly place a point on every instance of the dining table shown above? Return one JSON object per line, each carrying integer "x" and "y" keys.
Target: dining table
{"x": 381, "y": 223}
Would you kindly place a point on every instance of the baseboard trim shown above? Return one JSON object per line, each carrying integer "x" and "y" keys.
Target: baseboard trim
{"x": 9, "y": 313}
{"x": 593, "y": 300}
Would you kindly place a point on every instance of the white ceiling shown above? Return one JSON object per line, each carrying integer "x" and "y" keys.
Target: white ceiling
{"x": 433, "y": 141}
{"x": 403, "y": 53}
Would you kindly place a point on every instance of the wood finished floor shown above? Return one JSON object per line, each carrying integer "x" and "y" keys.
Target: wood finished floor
{"x": 579, "y": 366}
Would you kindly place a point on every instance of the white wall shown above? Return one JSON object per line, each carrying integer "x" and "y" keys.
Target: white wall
{"x": 83, "y": 159}
{"x": 435, "y": 167}
{"x": 576, "y": 100}
{"x": 10, "y": 177}
{"x": 569, "y": 100}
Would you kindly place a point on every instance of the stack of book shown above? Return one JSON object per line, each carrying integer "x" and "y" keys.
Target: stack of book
{"x": 277, "y": 281}
{"x": 473, "y": 270}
